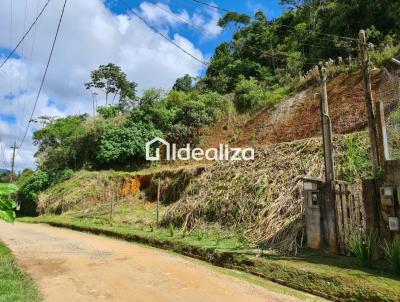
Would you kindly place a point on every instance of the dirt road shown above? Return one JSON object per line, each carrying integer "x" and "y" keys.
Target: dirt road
{"x": 72, "y": 266}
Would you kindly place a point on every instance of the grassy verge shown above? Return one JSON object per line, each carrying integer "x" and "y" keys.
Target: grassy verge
{"x": 331, "y": 277}
{"x": 15, "y": 285}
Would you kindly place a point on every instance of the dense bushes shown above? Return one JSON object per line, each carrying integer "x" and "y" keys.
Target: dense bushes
{"x": 27, "y": 194}
{"x": 31, "y": 186}
{"x": 116, "y": 139}
{"x": 124, "y": 143}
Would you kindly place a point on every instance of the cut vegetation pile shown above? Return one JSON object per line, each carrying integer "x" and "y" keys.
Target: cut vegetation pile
{"x": 263, "y": 199}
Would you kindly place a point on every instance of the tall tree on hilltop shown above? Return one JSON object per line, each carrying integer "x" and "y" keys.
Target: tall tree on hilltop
{"x": 112, "y": 80}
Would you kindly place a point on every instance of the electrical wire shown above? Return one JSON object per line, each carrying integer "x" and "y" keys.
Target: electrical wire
{"x": 44, "y": 74}
{"x": 24, "y": 36}
{"x": 210, "y": 34}
{"x": 321, "y": 33}
{"x": 155, "y": 30}
{"x": 28, "y": 77}
{"x": 212, "y": 6}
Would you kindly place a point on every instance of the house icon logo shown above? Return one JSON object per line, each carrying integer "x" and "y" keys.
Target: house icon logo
{"x": 157, "y": 155}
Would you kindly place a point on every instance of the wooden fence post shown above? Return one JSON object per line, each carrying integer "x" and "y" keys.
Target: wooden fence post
{"x": 368, "y": 99}
{"x": 326, "y": 129}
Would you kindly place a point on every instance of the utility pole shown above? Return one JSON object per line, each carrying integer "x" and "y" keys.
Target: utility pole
{"x": 326, "y": 129}
{"x": 14, "y": 147}
{"x": 362, "y": 43}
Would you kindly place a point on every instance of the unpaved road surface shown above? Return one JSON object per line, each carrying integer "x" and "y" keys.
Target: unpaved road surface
{"x": 71, "y": 266}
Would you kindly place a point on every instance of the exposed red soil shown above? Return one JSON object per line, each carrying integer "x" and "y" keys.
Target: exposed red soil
{"x": 299, "y": 116}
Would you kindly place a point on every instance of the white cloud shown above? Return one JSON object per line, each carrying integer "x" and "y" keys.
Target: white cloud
{"x": 90, "y": 35}
{"x": 209, "y": 22}
{"x": 161, "y": 14}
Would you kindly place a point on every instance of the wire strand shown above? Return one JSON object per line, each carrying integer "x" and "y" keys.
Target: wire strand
{"x": 212, "y": 6}
{"x": 44, "y": 74}
{"x": 162, "y": 35}
{"x": 210, "y": 34}
{"x": 24, "y": 36}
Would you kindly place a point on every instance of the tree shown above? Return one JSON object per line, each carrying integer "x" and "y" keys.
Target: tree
{"x": 112, "y": 80}
{"x": 150, "y": 97}
{"x": 65, "y": 143}
{"x": 184, "y": 83}
{"x": 233, "y": 17}
{"x": 124, "y": 144}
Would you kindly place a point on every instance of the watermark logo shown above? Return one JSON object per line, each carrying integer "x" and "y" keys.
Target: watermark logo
{"x": 222, "y": 153}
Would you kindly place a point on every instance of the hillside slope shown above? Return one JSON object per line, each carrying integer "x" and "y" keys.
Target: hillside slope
{"x": 263, "y": 199}
{"x": 298, "y": 117}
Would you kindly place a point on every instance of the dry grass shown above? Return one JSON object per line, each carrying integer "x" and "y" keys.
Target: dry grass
{"x": 262, "y": 199}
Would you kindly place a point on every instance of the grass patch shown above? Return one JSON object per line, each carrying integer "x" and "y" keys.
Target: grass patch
{"x": 15, "y": 285}
{"x": 332, "y": 277}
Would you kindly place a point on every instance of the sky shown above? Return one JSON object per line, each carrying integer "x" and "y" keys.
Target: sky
{"x": 95, "y": 32}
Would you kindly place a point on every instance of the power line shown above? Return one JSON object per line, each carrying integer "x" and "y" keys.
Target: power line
{"x": 186, "y": 21}
{"x": 162, "y": 35}
{"x": 321, "y": 33}
{"x": 212, "y": 6}
{"x": 28, "y": 77}
{"x": 44, "y": 75}
{"x": 24, "y": 36}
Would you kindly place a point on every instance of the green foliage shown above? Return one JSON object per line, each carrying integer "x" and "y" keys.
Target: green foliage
{"x": 184, "y": 83}
{"x": 277, "y": 51}
{"x": 199, "y": 234}
{"x": 125, "y": 143}
{"x": 151, "y": 226}
{"x": 363, "y": 247}
{"x": 65, "y": 143}
{"x": 28, "y": 193}
{"x": 7, "y": 209}
{"x": 109, "y": 112}
{"x": 356, "y": 160}
{"x": 248, "y": 95}
{"x": 150, "y": 97}
{"x": 171, "y": 230}
{"x": 233, "y": 17}
{"x": 112, "y": 80}
{"x": 392, "y": 254}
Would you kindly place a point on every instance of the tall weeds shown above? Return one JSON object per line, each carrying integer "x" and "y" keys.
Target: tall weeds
{"x": 392, "y": 254}
{"x": 363, "y": 247}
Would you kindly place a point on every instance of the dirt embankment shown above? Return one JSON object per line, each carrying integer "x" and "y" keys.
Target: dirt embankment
{"x": 298, "y": 117}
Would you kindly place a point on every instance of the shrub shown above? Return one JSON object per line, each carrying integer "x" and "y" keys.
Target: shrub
{"x": 28, "y": 193}
{"x": 119, "y": 145}
{"x": 392, "y": 254}
{"x": 363, "y": 247}
{"x": 248, "y": 95}
{"x": 63, "y": 175}
{"x": 108, "y": 112}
